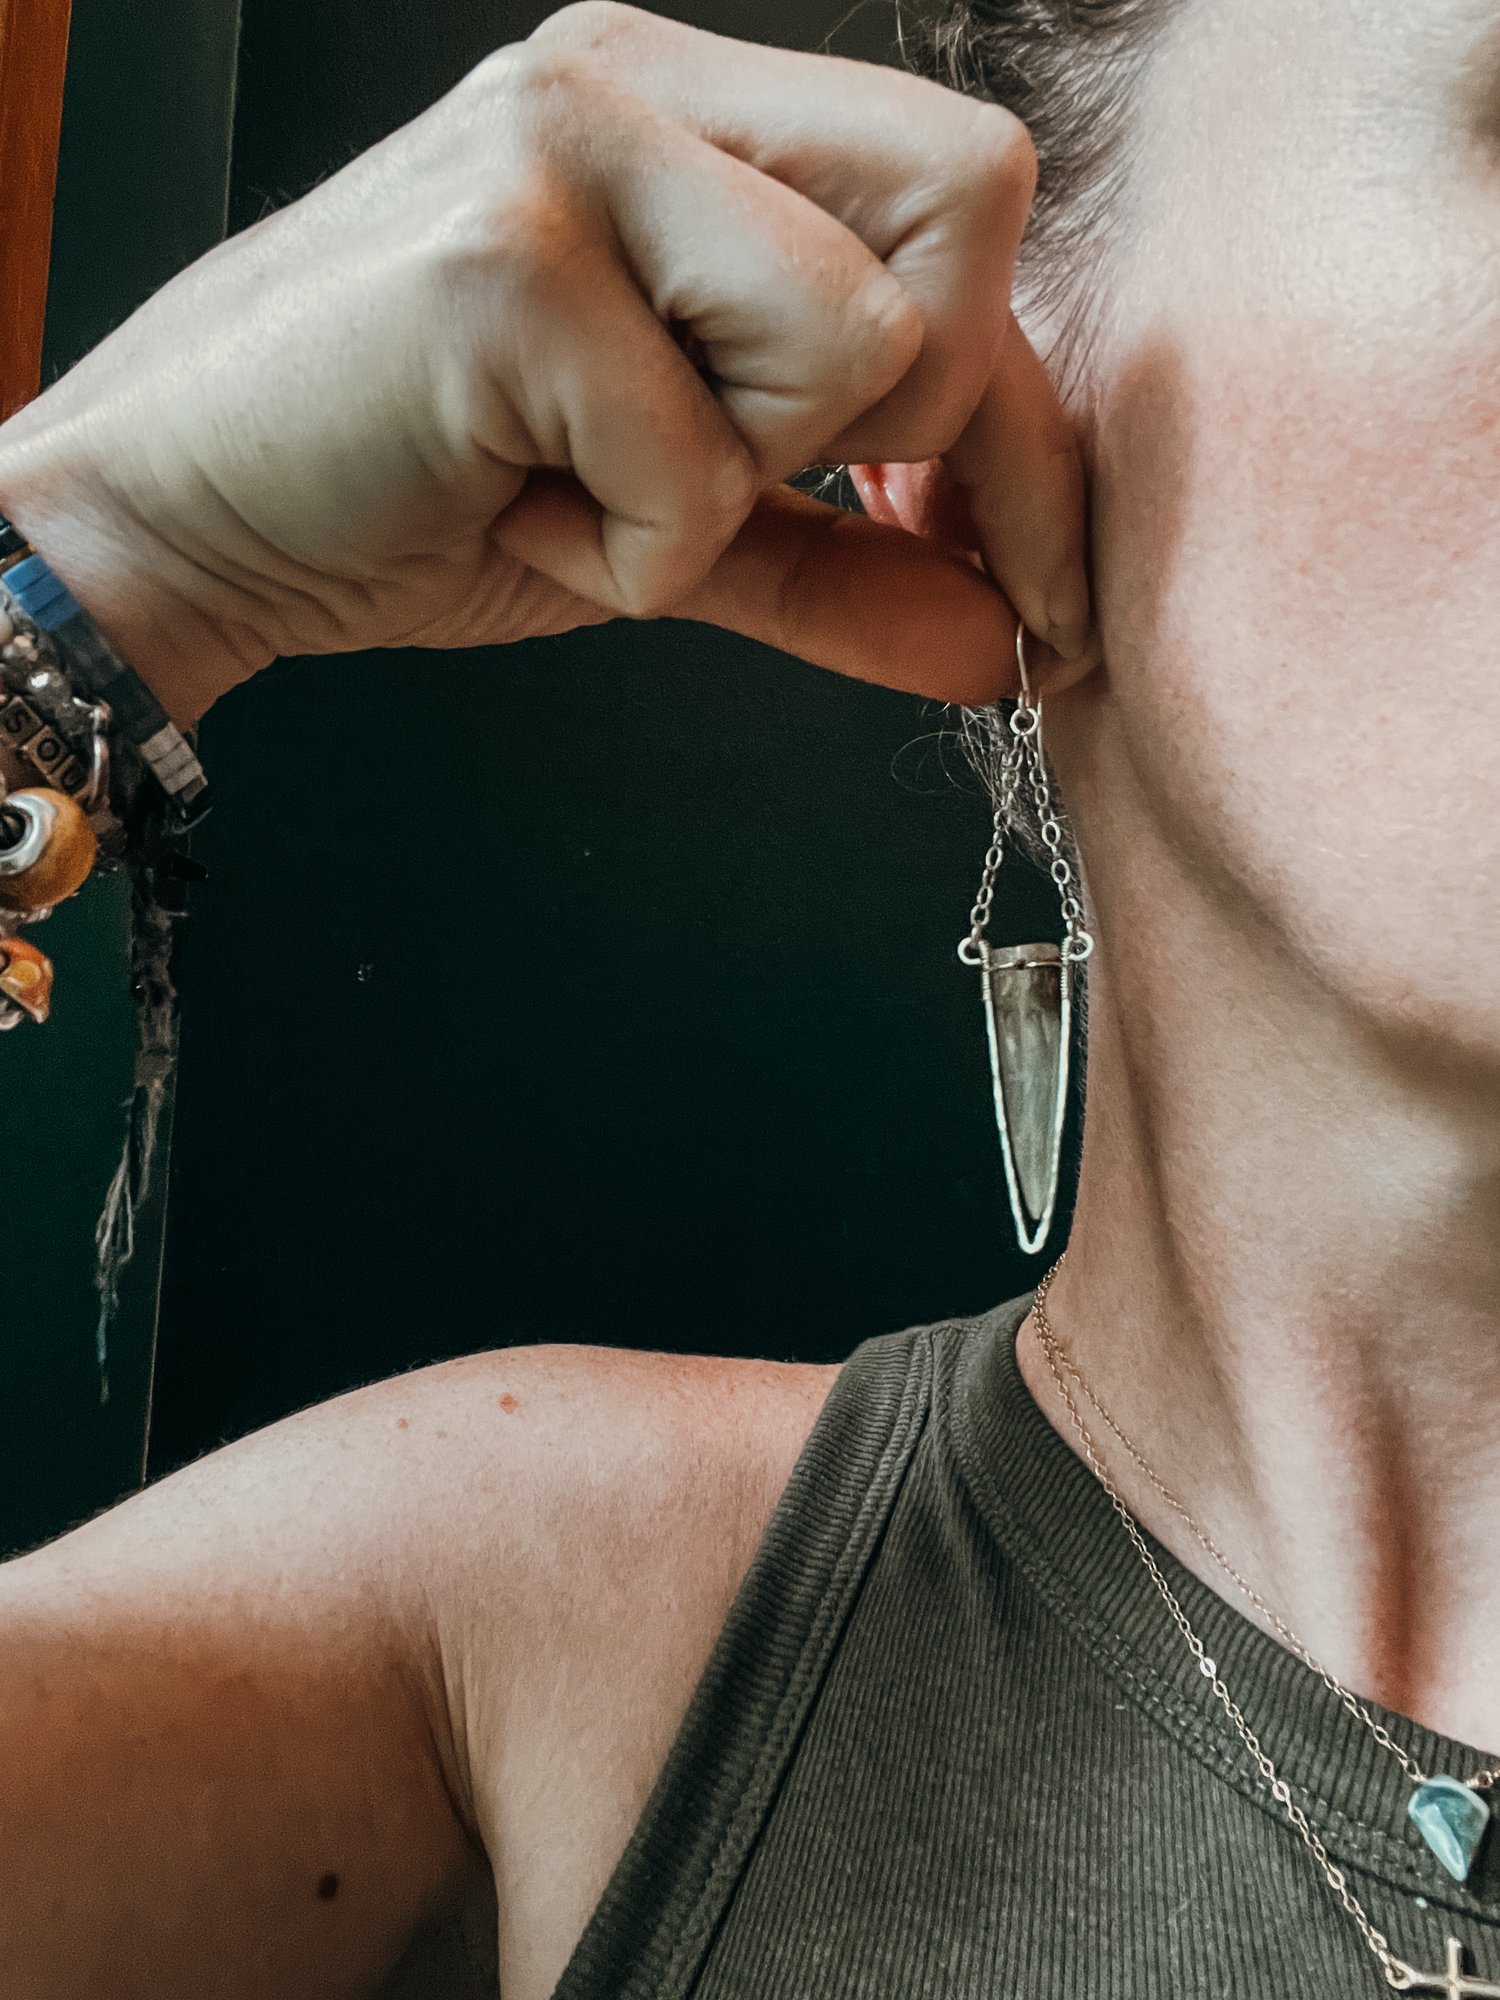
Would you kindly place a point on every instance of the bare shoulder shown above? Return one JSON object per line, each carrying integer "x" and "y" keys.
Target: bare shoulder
{"x": 565, "y": 1486}
{"x": 591, "y": 1455}
{"x": 598, "y": 1510}
{"x": 462, "y": 1608}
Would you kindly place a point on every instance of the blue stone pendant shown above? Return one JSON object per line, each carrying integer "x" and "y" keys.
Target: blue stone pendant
{"x": 1452, "y": 1820}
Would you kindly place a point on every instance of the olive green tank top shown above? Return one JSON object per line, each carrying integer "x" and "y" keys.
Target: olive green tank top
{"x": 950, "y": 1746}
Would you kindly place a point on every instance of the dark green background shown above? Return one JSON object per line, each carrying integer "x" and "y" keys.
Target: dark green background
{"x": 143, "y": 188}
{"x": 653, "y": 1036}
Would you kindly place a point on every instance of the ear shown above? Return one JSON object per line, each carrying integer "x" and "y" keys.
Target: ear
{"x": 927, "y": 501}
{"x": 924, "y": 499}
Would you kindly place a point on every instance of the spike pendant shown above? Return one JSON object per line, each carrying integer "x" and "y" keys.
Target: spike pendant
{"x": 1028, "y": 988}
{"x": 1028, "y": 1011}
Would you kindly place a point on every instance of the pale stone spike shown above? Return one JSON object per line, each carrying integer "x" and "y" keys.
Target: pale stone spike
{"x": 1023, "y": 1000}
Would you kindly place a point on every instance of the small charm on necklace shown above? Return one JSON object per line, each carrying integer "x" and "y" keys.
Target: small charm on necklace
{"x": 1452, "y": 1819}
{"x": 1452, "y": 1983}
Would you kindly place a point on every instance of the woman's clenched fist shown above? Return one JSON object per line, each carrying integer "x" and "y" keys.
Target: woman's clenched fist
{"x": 546, "y": 356}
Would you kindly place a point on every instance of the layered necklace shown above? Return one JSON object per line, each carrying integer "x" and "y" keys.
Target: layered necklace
{"x": 1449, "y": 1813}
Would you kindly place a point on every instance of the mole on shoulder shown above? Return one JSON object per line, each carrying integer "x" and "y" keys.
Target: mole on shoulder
{"x": 328, "y": 1888}
{"x": 508, "y": 1402}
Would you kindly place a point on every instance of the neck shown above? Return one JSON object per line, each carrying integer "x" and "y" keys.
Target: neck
{"x": 1283, "y": 1282}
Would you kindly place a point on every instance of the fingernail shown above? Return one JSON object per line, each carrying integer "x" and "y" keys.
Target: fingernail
{"x": 1069, "y": 618}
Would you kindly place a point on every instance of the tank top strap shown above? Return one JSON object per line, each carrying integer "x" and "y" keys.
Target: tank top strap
{"x": 649, "y": 1934}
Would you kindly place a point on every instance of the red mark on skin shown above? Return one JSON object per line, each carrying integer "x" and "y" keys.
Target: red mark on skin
{"x": 1399, "y": 1645}
{"x": 402, "y": 1424}
{"x": 328, "y": 1888}
{"x": 508, "y": 1402}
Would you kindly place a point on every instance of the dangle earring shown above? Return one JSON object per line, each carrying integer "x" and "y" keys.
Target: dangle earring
{"x": 1028, "y": 988}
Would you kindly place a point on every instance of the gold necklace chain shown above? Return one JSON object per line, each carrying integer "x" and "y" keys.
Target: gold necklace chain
{"x": 1400, "y": 1976}
{"x": 1059, "y": 1360}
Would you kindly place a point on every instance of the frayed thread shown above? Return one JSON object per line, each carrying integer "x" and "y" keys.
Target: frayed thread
{"x": 152, "y": 926}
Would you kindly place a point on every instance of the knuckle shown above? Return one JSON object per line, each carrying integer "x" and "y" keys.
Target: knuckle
{"x": 890, "y": 333}
{"x": 714, "y": 499}
{"x": 529, "y": 240}
{"x": 928, "y": 413}
{"x": 529, "y": 214}
{"x": 492, "y": 72}
{"x": 652, "y": 593}
{"x": 528, "y": 75}
{"x": 588, "y": 26}
{"x": 541, "y": 106}
{"x": 999, "y": 158}
{"x": 733, "y": 482}
{"x": 952, "y": 395}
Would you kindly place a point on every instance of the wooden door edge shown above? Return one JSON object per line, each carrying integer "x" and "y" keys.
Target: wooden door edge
{"x": 33, "y": 66}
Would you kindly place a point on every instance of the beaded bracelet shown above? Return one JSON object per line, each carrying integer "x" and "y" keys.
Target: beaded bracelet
{"x": 93, "y": 772}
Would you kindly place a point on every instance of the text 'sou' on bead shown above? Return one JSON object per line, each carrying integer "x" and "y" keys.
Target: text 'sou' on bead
{"x": 49, "y": 851}
{"x": 25, "y": 978}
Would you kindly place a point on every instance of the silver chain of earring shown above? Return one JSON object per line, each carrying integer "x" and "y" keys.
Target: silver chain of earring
{"x": 1023, "y": 766}
{"x": 971, "y": 951}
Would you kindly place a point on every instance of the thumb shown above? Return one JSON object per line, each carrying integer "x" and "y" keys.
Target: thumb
{"x": 863, "y": 598}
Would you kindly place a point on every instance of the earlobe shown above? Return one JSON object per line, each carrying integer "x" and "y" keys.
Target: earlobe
{"x": 875, "y": 495}
{"x": 923, "y": 498}
{"x": 1052, "y": 674}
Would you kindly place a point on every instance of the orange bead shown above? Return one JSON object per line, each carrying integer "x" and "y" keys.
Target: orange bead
{"x": 52, "y": 857}
{"x": 26, "y": 977}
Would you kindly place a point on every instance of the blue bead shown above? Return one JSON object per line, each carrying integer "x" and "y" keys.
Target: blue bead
{"x": 1452, "y": 1820}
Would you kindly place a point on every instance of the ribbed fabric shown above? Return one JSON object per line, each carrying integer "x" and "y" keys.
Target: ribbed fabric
{"x": 949, "y": 1745}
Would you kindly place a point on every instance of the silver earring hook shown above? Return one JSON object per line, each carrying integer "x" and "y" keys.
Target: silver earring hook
{"x": 1021, "y": 664}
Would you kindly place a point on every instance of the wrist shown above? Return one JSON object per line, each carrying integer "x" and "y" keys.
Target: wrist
{"x": 179, "y": 629}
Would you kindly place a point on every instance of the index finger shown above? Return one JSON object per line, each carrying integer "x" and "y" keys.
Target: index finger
{"x": 861, "y": 598}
